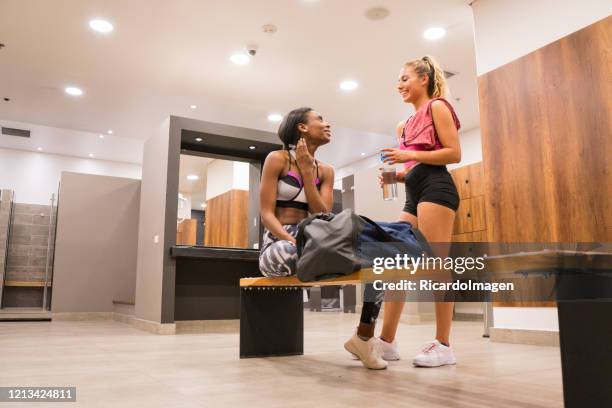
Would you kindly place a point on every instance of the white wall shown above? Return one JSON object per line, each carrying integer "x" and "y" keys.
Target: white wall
{"x": 73, "y": 143}
{"x": 369, "y": 200}
{"x": 34, "y": 176}
{"x": 224, "y": 175}
{"x": 471, "y": 148}
{"x": 508, "y": 29}
{"x": 219, "y": 178}
{"x": 241, "y": 176}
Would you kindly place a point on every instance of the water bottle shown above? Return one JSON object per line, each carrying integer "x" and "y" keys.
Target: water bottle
{"x": 389, "y": 186}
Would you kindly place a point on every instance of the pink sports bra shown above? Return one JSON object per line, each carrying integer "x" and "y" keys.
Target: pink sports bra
{"x": 290, "y": 192}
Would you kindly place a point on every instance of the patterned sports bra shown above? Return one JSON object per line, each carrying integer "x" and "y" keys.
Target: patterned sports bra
{"x": 290, "y": 192}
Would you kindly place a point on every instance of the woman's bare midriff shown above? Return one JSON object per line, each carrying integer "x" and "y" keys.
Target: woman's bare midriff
{"x": 290, "y": 216}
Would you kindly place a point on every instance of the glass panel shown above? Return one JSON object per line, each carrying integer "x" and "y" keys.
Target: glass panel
{"x": 218, "y": 204}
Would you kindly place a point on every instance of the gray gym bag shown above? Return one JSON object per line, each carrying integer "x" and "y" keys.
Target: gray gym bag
{"x": 333, "y": 245}
{"x": 326, "y": 245}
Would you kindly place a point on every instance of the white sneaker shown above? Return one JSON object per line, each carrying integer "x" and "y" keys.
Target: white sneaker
{"x": 389, "y": 350}
{"x": 368, "y": 352}
{"x": 435, "y": 354}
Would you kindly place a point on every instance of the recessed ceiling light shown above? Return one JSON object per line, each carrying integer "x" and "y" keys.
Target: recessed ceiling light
{"x": 101, "y": 26}
{"x": 39, "y": 149}
{"x": 110, "y": 132}
{"x": 275, "y": 117}
{"x": 193, "y": 106}
{"x": 198, "y": 139}
{"x": 362, "y": 153}
{"x": 349, "y": 85}
{"x": 434, "y": 33}
{"x": 252, "y": 147}
{"x": 269, "y": 28}
{"x": 101, "y": 136}
{"x": 377, "y": 13}
{"x": 91, "y": 155}
{"x": 192, "y": 177}
{"x": 73, "y": 90}
{"x": 240, "y": 59}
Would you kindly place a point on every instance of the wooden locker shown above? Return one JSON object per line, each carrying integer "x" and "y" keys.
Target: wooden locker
{"x": 479, "y": 236}
{"x": 463, "y": 220}
{"x": 461, "y": 177}
{"x": 476, "y": 179}
{"x": 477, "y": 213}
{"x": 467, "y": 237}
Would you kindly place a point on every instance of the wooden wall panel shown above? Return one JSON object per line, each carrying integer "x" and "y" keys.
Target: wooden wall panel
{"x": 186, "y": 232}
{"x": 226, "y": 220}
{"x": 546, "y": 133}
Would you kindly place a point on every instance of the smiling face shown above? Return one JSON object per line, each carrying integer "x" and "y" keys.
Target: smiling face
{"x": 317, "y": 130}
{"x": 411, "y": 86}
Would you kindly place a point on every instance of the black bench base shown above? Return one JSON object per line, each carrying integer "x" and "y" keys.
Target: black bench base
{"x": 271, "y": 321}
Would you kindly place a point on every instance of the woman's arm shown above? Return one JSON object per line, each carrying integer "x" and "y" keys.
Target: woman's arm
{"x": 273, "y": 166}
{"x": 400, "y": 174}
{"x": 318, "y": 200}
{"x": 448, "y": 135}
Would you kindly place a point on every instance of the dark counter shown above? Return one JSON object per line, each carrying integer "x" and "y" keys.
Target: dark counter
{"x": 207, "y": 283}
{"x": 198, "y": 252}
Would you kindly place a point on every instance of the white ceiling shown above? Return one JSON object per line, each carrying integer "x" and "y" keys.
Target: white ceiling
{"x": 195, "y": 165}
{"x": 166, "y": 55}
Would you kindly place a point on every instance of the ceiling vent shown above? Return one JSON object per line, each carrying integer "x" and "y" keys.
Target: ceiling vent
{"x": 449, "y": 74}
{"x": 15, "y": 132}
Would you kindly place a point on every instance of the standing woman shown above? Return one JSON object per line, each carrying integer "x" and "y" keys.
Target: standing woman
{"x": 431, "y": 195}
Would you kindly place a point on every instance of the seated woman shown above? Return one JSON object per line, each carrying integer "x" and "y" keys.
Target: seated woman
{"x": 293, "y": 184}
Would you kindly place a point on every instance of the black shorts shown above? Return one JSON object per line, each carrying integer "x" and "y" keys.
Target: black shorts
{"x": 432, "y": 184}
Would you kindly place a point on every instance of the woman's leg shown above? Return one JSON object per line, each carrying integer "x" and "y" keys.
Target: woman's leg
{"x": 394, "y": 308}
{"x": 279, "y": 259}
{"x": 436, "y": 224}
{"x": 372, "y": 303}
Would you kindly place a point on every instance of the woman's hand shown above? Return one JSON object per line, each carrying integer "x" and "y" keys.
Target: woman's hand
{"x": 399, "y": 177}
{"x": 394, "y": 156}
{"x": 304, "y": 159}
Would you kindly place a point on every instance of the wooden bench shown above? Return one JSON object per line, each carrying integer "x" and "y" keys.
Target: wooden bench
{"x": 272, "y": 313}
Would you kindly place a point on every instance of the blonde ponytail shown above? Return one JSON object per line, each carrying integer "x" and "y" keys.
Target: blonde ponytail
{"x": 428, "y": 67}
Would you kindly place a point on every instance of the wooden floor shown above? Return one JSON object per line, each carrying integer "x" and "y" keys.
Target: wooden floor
{"x": 113, "y": 364}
